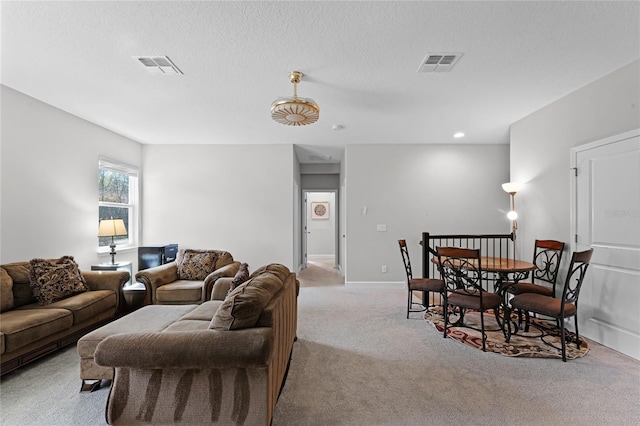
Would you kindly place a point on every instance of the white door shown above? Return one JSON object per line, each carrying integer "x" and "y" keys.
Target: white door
{"x": 606, "y": 216}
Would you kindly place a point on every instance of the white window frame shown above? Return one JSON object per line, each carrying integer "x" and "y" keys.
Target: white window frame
{"x": 133, "y": 205}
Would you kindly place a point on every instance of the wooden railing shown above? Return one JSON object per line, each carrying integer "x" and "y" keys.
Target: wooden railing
{"x": 490, "y": 245}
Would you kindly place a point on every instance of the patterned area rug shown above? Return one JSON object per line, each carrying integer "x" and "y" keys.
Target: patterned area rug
{"x": 542, "y": 340}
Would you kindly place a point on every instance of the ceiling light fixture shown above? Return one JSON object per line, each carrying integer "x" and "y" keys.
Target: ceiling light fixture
{"x": 458, "y": 135}
{"x": 295, "y": 111}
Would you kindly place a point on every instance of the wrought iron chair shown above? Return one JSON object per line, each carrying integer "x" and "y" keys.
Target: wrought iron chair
{"x": 425, "y": 285}
{"x": 559, "y": 309}
{"x": 547, "y": 256}
{"x": 461, "y": 271}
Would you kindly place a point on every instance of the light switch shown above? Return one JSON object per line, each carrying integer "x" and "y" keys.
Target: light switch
{"x": 382, "y": 228}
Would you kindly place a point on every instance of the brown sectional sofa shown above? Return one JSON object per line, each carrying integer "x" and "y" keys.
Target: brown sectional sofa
{"x": 223, "y": 361}
{"x": 166, "y": 287}
{"x": 29, "y": 330}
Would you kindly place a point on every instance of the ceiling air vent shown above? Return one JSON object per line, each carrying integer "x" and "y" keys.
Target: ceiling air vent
{"x": 159, "y": 65}
{"x": 438, "y": 62}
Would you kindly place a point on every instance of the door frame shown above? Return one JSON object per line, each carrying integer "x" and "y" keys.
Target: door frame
{"x": 304, "y": 225}
{"x": 577, "y": 242}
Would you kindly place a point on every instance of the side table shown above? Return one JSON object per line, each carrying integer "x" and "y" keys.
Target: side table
{"x": 134, "y": 293}
{"x": 118, "y": 266}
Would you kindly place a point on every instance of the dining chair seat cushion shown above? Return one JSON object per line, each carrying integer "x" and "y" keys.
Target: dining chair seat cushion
{"x": 471, "y": 300}
{"x": 521, "y": 288}
{"x": 544, "y": 305}
{"x": 426, "y": 284}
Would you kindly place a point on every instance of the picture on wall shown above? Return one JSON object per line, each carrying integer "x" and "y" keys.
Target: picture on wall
{"x": 320, "y": 210}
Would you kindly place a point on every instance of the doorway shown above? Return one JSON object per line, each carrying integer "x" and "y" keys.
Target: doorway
{"x": 319, "y": 227}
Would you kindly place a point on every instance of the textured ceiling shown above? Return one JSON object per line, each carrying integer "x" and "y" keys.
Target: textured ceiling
{"x": 359, "y": 59}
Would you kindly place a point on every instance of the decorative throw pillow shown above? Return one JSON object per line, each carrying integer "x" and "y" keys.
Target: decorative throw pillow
{"x": 53, "y": 280}
{"x": 195, "y": 265}
{"x": 6, "y": 291}
{"x": 243, "y": 306}
{"x": 240, "y": 277}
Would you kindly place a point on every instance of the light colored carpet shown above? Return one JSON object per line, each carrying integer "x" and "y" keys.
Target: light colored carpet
{"x": 358, "y": 361}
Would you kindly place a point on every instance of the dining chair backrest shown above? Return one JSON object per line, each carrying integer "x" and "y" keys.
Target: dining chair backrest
{"x": 404, "y": 251}
{"x": 575, "y": 276}
{"x": 547, "y": 256}
{"x": 460, "y": 269}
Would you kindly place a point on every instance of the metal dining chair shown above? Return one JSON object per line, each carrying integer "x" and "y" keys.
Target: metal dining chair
{"x": 564, "y": 307}
{"x": 461, "y": 271}
{"x": 547, "y": 256}
{"x": 425, "y": 285}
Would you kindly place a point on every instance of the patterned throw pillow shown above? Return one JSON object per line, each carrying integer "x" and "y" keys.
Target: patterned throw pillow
{"x": 53, "y": 280}
{"x": 240, "y": 277}
{"x": 195, "y": 265}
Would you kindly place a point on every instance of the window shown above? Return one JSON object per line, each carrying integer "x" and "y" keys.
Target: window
{"x": 118, "y": 199}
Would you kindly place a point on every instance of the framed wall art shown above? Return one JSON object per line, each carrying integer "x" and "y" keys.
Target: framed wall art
{"x": 320, "y": 210}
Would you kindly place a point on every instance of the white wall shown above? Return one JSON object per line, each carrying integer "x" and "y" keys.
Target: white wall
{"x": 49, "y": 181}
{"x": 541, "y": 143}
{"x": 416, "y": 188}
{"x": 238, "y": 198}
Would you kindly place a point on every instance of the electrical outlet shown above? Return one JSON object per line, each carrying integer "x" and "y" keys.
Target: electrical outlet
{"x": 384, "y": 268}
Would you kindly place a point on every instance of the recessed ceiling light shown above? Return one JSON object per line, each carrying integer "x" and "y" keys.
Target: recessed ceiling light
{"x": 458, "y": 135}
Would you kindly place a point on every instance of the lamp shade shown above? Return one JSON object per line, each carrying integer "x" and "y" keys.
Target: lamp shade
{"x": 512, "y": 187}
{"x": 111, "y": 228}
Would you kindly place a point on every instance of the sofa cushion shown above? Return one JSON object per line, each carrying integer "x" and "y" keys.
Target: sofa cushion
{"x": 181, "y": 291}
{"x": 6, "y": 291}
{"x": 146, "y": 319}
{"x": 195, "y": 265}
{"x": 83, "y": 306}
{"x": 53, "y": 280}
{"x": 24, "y": 326}
{"x": 203, "y": 312}
{"x": 240, "y": 277}
{"x": 243, "y": 306}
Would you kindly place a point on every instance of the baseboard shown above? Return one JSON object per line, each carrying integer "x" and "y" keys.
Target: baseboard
{"x": 390, "y": 285}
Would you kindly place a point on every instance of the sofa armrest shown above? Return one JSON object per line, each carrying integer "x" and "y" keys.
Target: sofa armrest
{"x": 251, "y": 347}
{"x": 228, "y": 270}
{"x": 108, "y": 280}
{"x": 221, "y": 288}
{"x": 157, "y": 276}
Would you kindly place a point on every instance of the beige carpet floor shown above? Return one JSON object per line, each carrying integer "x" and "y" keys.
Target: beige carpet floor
{"x": 359, "y": 361}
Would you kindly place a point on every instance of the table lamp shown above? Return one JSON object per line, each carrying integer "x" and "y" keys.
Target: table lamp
{"x": 112, "y": 228}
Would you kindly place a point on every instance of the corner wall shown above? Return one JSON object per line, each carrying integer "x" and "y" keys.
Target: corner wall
{"x": 415, "y": 188}
{"x": 541, "y": 144}
{"x": 49, "y": 181}
{"x": 238, "y": 198}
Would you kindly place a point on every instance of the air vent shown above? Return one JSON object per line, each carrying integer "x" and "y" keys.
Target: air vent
{"x": 438, "y": 62}
{"x": 158, "y": 65}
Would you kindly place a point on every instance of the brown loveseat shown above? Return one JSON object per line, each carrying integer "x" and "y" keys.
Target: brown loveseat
{"x": 187, "y": 280}
{"x": 219, "y": 362}
{"x": 29, "y": 330}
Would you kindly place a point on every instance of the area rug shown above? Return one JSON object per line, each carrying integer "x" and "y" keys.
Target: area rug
{"x": 542, "y": 340}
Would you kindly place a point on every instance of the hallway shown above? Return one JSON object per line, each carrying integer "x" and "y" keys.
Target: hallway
{"x": 320, "y": 272}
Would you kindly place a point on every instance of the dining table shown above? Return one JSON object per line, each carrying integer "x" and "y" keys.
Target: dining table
{"x": 509, "y": 271}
